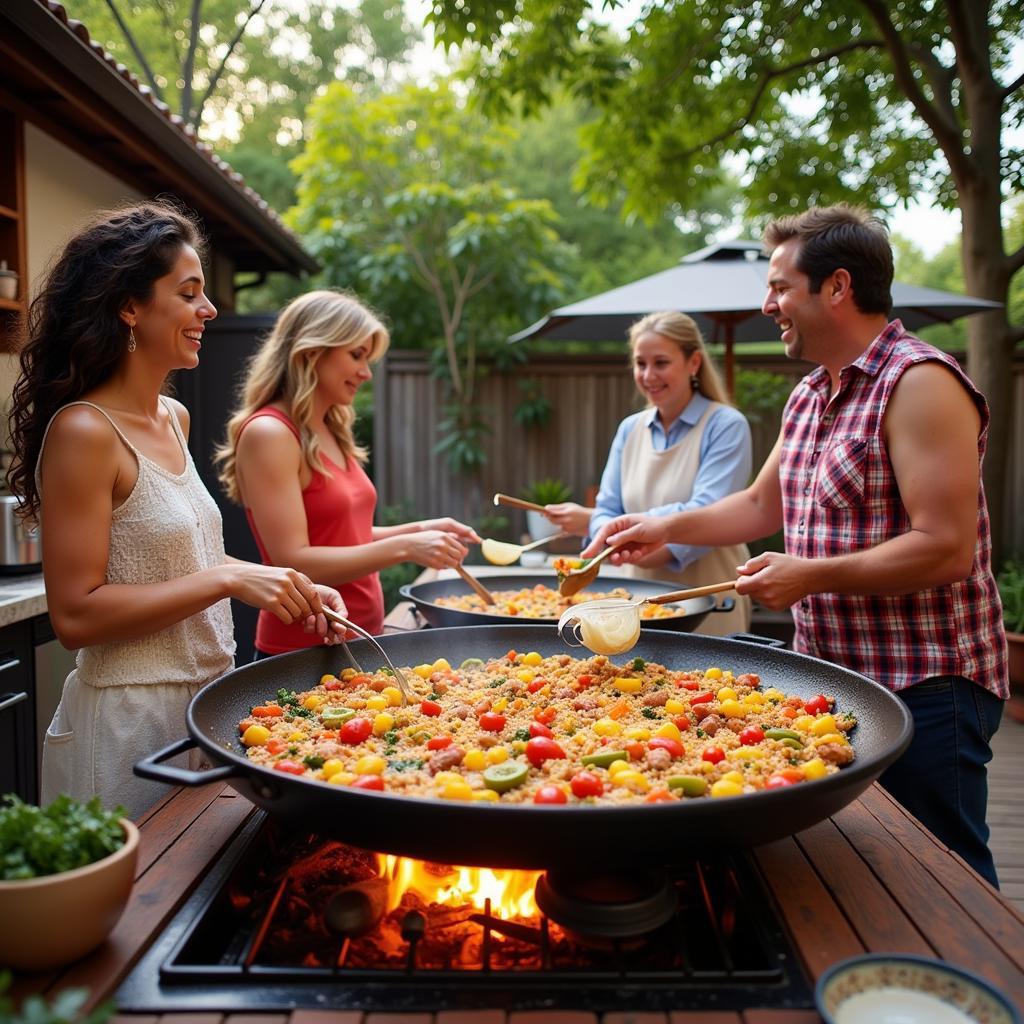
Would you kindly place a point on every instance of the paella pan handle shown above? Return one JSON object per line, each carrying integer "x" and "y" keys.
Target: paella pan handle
{"x": 760, "y": 641}
{"x": 152, "y": 768}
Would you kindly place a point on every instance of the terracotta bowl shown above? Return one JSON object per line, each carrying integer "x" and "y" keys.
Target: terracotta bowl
{"x": 52, "y": 920}
{"x": 900, "y": 988}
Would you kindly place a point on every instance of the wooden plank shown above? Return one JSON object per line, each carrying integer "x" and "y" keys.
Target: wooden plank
{"x": 195, "y": 1018}
{"x": 155, "y": 897}
{"x": 623, "y": 1018}
{"x": 781, "y": 1017}
{"x": 876, "y": 917}
{"x": 967, "y": 923}
{"x": 161, "y": 829}
{"x": 704, "y": 1017}
{"x": 821, "y": 933}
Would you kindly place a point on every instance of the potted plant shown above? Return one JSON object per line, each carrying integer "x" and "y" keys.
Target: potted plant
{"x": 548, "y": 491}
{"x": 66, "y": 872}
{"x": 1010, "y": 580}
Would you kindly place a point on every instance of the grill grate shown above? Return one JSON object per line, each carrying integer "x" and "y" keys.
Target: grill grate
{"x": 723, "y": 948}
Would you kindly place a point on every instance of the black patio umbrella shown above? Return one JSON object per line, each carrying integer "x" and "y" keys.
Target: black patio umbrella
{"x": 722, "y": 288}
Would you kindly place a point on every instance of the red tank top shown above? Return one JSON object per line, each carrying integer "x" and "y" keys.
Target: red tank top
{"x": 339, "y": 513}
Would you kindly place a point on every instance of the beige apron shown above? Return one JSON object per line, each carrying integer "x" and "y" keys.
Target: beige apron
{"x": 651, "y": 478}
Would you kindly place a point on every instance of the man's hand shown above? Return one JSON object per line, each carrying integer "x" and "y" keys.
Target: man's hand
{"x": 635, "y": 537}
{"x": 776, "y": 580}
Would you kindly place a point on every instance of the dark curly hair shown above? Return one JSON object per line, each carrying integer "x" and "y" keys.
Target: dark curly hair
{"x": 75, "y": 336}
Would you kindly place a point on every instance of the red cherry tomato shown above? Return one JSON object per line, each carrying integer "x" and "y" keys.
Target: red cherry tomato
{"x": 439, "y": 742}
{"x": 635, "y": 750}
{"x": 751, "y": 679}
{"x": 778, "y": 781}
{"x": 674, "y": 747}
{"x": 290, "y": 767}
{"x": 511, "y": 656}
{"x": 816, "y": 705}
{"x": 540, "y": 729}
{"x": 355, "y": 730}
{"x": 275, "y": 746}
{"x": 682, "y": 723}
{"x": 431, "y": 708}
{"x": 541, "y": 749}
{"x": 550, "y": 795}
{"x": 333, "y": 684}
{"x": 702, "y": 698}
{"x": 491, "y": 721}
{"x": 545, "y": 715}
{"x": 586, "y": 784}
{"x": 369, "y": 782}
{"x": 688, "y": 684}
{"x": 713, "y": 754}
{"x": 751, "y": 735}
{"x": 584, "y": 681}
{"x": 537, "y": 684}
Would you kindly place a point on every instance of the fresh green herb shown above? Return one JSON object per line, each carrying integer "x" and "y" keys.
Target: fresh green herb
{"x": 794, "y": 760}
{"x": 433, "y": 696}
{"x": 650, "y": 713}
{"x": 391, "y": 736}
{"x": 65, "y": 835}
{"x": 639, "y": 664}
{"x": 404, "y": 764}
{"x": 848, "y": 716}
{"x": 313, "y": 761}
{"x": 65, "y": 1007}
{"x": 285, "y": 697}
{"x": 522, "y": 734}
{"x": 659, "y": 682}
{"x": 701, "y": 734}
{"x": 384, "y": 671}
{"x": 293, "y": 750}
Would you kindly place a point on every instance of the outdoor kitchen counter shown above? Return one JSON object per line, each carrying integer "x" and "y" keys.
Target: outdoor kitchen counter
{"x": 21, "y": 597}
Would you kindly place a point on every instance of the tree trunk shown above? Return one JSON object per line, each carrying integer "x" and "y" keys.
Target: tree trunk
{"x": 989, "y": 351}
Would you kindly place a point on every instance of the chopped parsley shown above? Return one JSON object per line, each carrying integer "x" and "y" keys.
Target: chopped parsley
{"x": 522, "y": 734}
{"x": 313, "y": 761}
{"x": 649, "y": 713}
{"x": 639, "y": 664}
{"x": 404, "y": 764}
{"x": 701, "y": 734}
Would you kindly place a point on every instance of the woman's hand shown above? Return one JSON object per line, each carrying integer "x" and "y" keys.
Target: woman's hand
{"x": 435, "y": 549}
{"x": 635, "y": 536}
{"x": 570, "y": 517}
{"x": 465, "y": 533}
{"x": 332, "y": 632}
{"x": 287, "y": 593}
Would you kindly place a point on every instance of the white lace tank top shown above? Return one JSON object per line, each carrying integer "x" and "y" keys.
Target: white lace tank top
{"x": 168, "y": 527}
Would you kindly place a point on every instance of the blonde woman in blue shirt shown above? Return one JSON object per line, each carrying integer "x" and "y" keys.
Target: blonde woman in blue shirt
{"x": 687, "y": 449}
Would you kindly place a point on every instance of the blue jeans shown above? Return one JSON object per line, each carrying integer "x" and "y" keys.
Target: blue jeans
{"x": 941, "y": 779}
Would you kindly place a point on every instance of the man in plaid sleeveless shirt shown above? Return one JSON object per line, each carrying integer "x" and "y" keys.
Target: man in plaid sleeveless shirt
{"x": 876, "y": 482}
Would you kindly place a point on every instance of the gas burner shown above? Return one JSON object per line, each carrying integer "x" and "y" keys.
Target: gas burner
{"x": 623, "y": 905}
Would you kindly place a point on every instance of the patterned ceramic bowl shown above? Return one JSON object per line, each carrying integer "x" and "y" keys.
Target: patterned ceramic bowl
{"x": 898, "y": 988}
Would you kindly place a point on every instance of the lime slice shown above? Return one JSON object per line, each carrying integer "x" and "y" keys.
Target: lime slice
{"x": 505, "y": 776}
{"x": 470, "y": 663}
{"x": 499, "y": 553}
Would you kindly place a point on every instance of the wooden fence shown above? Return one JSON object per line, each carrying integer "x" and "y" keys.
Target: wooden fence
{"x": 590, "y": 395}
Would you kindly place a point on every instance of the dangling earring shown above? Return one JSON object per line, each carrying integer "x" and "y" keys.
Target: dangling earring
{"x": 131, "y": 338}
{"x": 695, "y": 382}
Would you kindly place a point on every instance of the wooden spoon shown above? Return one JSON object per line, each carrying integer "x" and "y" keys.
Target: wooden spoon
{"x": 576, "y": 580}
{"x": 485, "y": 595}
{"x": 507, "y": 499}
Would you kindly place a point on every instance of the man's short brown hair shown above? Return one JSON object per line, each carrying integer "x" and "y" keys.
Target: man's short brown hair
{"x": 841, "y": 236}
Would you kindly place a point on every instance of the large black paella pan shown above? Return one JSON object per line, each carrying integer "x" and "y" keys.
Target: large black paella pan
{"x": 528, "y": 835}
{"x": 424, "y": 596}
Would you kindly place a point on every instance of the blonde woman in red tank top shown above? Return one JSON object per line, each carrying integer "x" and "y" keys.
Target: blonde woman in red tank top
{"x": 292, "y": 461}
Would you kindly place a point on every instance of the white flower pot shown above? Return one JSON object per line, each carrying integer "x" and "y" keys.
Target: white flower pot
{"x": 539, "y": 526}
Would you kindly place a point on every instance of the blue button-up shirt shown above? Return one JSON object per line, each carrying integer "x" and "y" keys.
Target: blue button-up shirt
{"x": 725, "y": 465}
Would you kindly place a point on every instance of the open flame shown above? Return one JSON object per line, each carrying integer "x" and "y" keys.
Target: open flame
{"x": 510, "y": 892}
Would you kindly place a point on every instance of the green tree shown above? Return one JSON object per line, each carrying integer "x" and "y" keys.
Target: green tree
{"x": 398, "y": 199}
{"x": 852, "y": 99}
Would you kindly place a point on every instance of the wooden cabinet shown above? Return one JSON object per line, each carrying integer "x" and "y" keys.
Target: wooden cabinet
{"x": 12, "y": 225}
{"x": 17, "y": 712}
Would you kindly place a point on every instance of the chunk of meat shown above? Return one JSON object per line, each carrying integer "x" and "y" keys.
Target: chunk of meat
{"x": 656, "y": 699}
{"x": 835, "y": 753}
{"x": 710, "y": 723}
{"x": 658, "y": 758}
{"x": 445, "y": 759}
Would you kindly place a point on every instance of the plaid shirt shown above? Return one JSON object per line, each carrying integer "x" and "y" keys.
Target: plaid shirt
{"x": 840, "y": 495}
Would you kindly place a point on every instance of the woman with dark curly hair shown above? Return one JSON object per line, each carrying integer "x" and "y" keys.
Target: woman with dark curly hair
{"x": 133, "y": 552}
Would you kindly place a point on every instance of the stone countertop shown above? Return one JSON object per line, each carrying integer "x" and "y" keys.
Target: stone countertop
{"x": 21, "y": 597}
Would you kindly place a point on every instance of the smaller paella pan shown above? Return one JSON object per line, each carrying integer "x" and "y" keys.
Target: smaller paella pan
{"x": 450, "y": 602}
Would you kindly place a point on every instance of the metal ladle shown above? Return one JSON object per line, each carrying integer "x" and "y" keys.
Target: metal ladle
{"x": 612, "y": 625}
{"x": 403, "y": 683}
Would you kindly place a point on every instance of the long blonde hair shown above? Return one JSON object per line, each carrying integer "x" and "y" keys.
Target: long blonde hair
{"x": 681, "y": 329}
{"x": 284, "y": 370}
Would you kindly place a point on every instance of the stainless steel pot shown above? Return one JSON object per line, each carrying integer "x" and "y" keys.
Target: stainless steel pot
{"x": 20, "y": 549}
